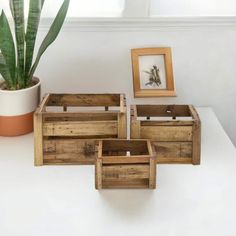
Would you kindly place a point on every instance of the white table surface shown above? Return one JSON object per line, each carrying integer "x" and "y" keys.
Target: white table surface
{"x": 62, "y": 200}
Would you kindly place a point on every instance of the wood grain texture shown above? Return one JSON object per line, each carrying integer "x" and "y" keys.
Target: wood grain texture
{"x": 77, "y": 128}
{"x": 72, "y": 122}
{"x": 152, "y": 173}
{"x": 43, "y": 104}
{"x": 125, "y": 172}
{"x": 196, "y": 137}
{"x": 130, "y": 171}
{"x": 38, "y": 138}
{"x": 174, "y": 141}
{"x": 127, "y": 184}
{"x": 167, "y": 133}
{"x": 173, "y": 149}
{"x": 75, "y": 150}
{"x": 122, "y": 125}
{"x": 98, "y": 173}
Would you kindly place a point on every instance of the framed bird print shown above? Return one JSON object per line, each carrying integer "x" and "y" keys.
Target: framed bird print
{"x": 152, "y": 72}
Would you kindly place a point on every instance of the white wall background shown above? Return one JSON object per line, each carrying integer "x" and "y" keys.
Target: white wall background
{"x": 95, "y": 57}
{"x": 193, "y": 7}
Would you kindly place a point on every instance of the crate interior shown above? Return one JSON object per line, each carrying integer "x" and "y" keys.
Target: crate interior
{"x": 82, "y": 115}
{"x": 163, "y": 112}
{"x": 124, "y": 148}
{"x": 83, "y": 102}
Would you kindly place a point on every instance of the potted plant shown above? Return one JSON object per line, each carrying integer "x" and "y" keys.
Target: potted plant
{"x": 19, "y": 89}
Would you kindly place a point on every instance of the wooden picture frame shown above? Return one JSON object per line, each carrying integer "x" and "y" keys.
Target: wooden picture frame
{"x": 152, "y": 72}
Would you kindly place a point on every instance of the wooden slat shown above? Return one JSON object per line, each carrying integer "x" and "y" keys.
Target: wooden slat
{"x": 133, "y": 111}
{"x": 43, "y": 103}
{"x": 83, "y": 128}
{"x": 122, "y": 103}
{"x": 100, "y": 146}
{"x": 72, "y": 150}
{"x": 69, "y": 156}
{"x": 194, "y": 113}
{"x": 135, "y": 129}
{"x": 38, "y": 138}
{"x": 98, "y": 173}
{"x": 134, "y": 123}
{"x": 152, "y": 171}
{"x": 80, "y": 146}
{"x": 125, "y": 184}
{"x": 163, "y": 110}
{"x": 196, "y": 159}
{"x": 150, "y": 149}
{"x": 167, "y": 133}
{"x": 80, "y": 113}
{"x": 125, "y": 172}
{"x": 174, "y": 160}
{"x": 84, "y": 100}
{"x": 122, "y": 125}
{"x": 127, "y": 160}
{"x": 167, "y": 123}
{"x": 173, "y": 149}
{"x": 68, "y": 162}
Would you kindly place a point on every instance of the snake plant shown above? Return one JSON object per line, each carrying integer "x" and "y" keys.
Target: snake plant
{"x": 16, "y": 50}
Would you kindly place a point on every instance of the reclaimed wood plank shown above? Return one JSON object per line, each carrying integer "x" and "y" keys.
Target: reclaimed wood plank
{"x": 152, "y": 173}
{"x": 126, "y": 184}
{"x": 125, "y": 171}
{"x": 196, "y": 137}
{"x": 173, "y": 149}
{"x": 98, "y": 173}
{"x": 83, "y": 128}
{"x": 167, "y": 133}
{"x": 38, "y": 138}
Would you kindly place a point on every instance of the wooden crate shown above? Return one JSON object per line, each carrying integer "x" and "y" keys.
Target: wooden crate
{"x": 125, "y": 164}
{"x": 175, "y": 131}
{"x": 66, "y": 126}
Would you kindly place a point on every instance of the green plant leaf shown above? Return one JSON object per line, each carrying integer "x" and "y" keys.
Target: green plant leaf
{"x": 4, "y": 71}
{"x": 7, "y": 47}
{"x": 17, "y": 9}
{"x": 52, "y": 34}
{"x": 35, "y": 9}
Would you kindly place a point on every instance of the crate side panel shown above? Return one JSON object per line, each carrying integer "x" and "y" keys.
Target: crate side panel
{"x": 166, "y": 133}
{"x": 173, "y": 149}
{"x": 125, "y": 184}
{"x": 86, "y": 128}
{"x": 66, "y": 150}
{"x": 125, "y": 172}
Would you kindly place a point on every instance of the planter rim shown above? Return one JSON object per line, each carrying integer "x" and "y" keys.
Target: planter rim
{"x": 21, "y": 90}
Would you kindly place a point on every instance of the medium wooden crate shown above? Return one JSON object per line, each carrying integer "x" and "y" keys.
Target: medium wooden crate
{"x": 125, "y": 164}
{"x": 67, "y": 126}
{"x": 175, "y": 131}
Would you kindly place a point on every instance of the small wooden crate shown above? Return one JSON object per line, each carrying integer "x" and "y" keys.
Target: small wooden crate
{"x": 125, "y": 164}
{"x": 67, "y": 126}
{"x": 175, "y": 131}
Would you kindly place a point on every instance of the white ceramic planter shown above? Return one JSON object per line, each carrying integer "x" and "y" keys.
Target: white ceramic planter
{"x": 17, "y": 108}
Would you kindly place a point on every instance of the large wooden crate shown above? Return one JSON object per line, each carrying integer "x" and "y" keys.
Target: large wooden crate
{"x": 66, "y": 126}
{"x": 125, "y": 164}
{"x": 175, "y": 131}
